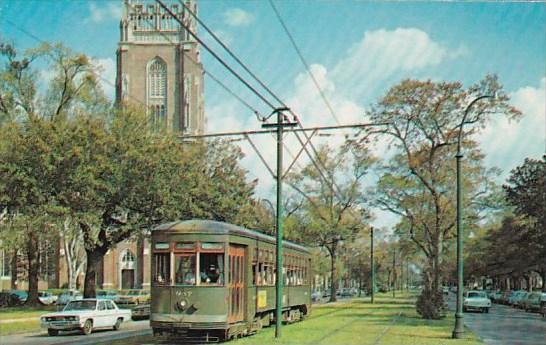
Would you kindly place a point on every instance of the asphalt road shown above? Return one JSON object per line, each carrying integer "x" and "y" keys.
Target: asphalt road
{"x": 505, "y": 325}
{"x": 128, "y": 329}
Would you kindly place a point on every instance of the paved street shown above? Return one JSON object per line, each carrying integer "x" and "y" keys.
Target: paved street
{"x": 505, "y": 325}
{"x": 129, "y": 329}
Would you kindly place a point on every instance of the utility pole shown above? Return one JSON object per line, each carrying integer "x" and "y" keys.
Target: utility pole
{"x": 372, "y": 264}
{"x": 394, "y": 273}
{"x": 279, "y": 276}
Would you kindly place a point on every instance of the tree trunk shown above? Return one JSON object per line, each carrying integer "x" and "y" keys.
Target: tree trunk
{"x": 14, "y": 270}
{"x": 33, "y": 257}
{"x": 94, "y": 259}
{"x": 333, "y": 276}
{"x": 543, "y": 276}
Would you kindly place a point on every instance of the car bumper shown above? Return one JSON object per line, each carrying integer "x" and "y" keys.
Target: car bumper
{"x": 476, "y": 307}
{"x": 61, "y": 325}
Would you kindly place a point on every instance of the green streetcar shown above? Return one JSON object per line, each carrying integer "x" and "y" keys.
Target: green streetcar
{"x": 213, "y": 281}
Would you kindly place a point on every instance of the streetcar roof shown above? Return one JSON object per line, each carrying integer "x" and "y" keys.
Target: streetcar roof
{"x": 221, "y": 228}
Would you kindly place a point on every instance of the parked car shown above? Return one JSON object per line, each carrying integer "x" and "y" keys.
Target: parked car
{"x": 21, "y": 294}
{"x": 347, "y": 293}
{"x": 495, "y": 296}
{"x": 68, "y": 296}
{"x": 519, "y": 300}
{"x": 86, "y": 315}
{"x": 47, "y": 298}
{"x": 133, "y": 297}
{"x": 503, "y": 299}
{"x": 140, "y": 312}
{"x": 515, "y": 296}
{"x": 533, "y": 301}
{"x": 111, "y": 295}
{"x": 316, "y": 296}
{"x": 476, "y": 300}
{"x": 9, "y": 300}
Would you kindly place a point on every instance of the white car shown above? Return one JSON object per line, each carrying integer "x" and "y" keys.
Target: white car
{"x": 86, "y": 315}
{"x": 67, "y": 296}
{"x": 47, "y": 298}
{"x": 476, "y": 300}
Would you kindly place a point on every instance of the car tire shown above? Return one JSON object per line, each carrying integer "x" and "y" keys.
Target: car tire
{"x": 87, "y": 327}
{"x": 487, "y": 310}
{"x": 118, "y": 324}
{"x": 52, "y": 332}
{"x": 464, "y": 309}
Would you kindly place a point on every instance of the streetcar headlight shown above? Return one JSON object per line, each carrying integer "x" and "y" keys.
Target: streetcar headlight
{"x": 182, "y": 305}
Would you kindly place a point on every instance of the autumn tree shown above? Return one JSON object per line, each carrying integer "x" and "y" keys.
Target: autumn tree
{"x": 333, "y": 198}
{"x": 423, "y": 123}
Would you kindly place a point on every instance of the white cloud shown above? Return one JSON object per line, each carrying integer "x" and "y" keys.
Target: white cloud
{"x": 508, "y": 143}
{"x": 238, "y": 17}
{"x": 382, "y": 54}
{"x": 102, "y": 11}
{"x": 107, "y": 72}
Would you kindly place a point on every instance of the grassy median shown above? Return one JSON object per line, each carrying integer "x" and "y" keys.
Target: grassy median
{"x": 22, "y": 319}
{"x": 388, "y": 321}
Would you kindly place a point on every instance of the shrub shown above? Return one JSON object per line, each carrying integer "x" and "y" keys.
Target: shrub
{"x": 430, "y": 305}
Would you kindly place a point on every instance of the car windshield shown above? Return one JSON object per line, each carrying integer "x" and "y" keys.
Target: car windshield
{"x": 476, "y": 295}
{"x": 80, "y": 305}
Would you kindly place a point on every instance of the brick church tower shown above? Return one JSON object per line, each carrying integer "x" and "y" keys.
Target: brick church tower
{"x": 158, "y": 65}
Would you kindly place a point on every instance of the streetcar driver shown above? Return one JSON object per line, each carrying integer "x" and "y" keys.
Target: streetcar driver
{"x": 211, "y": 275}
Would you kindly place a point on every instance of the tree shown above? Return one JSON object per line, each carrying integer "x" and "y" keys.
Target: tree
{"x": 423, "y": 122}
{"x": 526, "y": 193}
{"x": 74, "y": 250}
{"x": 332, "y": 211}
{"x": 28, "y": 160}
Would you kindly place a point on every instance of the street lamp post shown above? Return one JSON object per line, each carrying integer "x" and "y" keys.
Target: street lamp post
{"x": 458, "y": 331}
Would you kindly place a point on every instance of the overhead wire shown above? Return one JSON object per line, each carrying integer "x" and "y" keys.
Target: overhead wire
{"x": 215, "y": 37}
{"x": 216, "y": 56}
{"x": 304, "y": 62}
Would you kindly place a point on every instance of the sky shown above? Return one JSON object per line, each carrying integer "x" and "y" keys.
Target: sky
{"x": 356, "y": 51}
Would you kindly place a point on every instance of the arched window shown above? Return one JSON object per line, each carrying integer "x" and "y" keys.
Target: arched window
{"x": 127, "y": 257}
{"x": 157, "y": 90}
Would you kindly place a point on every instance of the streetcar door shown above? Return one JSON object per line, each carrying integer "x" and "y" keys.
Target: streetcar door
{"x": 236, "y": 284}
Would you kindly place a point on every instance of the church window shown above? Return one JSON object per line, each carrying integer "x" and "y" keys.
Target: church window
{"x": 157, "y": 90}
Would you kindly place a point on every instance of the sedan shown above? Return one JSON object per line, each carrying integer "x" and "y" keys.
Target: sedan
{"x": 85, "y": 315}
{"x": 140, "y": 312}
{"x": 47, "y": 298}
{"x": 476, "y": 300}
{"x": 134, "y": 297}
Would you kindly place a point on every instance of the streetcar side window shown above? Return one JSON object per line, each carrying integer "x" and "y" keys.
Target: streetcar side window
{"x": 162, "y": 268}
{"x": 211, "y": 268}
{"x": 185, "y": 269}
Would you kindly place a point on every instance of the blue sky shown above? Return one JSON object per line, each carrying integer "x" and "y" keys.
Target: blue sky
{"x": 356, "y": 49}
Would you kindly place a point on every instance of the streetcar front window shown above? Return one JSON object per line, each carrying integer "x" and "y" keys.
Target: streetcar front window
{"x": 185, "y": 269}
{"x": 161, "y": 268}
{"x": 211, "y": 268}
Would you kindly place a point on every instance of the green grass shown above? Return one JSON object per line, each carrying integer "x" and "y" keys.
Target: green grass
{"x": 24, "y": 312}
{"x": 387, "y": 322}
{"x": 19, "y": 327}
